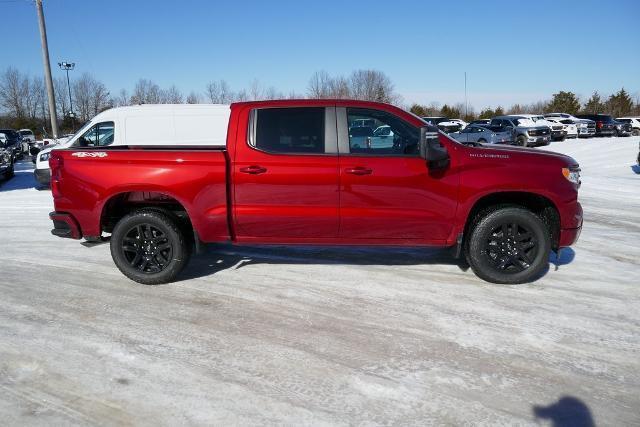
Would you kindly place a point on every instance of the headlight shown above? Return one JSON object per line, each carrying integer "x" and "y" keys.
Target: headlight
{"x": 44, "y": 157}
{"x": 572, "y": 174}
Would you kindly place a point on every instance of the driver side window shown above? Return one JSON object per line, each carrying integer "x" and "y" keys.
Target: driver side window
{"x": 99, "y": 135}
{"x": 377, "y": 132}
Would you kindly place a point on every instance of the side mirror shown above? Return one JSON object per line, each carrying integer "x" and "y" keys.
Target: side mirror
{"x": 431, "y": 150}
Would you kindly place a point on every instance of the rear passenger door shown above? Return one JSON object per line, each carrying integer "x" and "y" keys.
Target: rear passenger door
{"x": 286, "y": 176}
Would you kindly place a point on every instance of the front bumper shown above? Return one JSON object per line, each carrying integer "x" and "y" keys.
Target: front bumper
{"x": 43, "y": 176}
{"x": 569, "y": 236}
{"x": 539, "y": 140}
{"x": 65, "y": 225}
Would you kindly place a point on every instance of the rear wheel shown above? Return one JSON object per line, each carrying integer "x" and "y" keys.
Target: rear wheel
{"x": 635, "y": 132}
{"x": 149, "y": 247}
{"x": 509, "y": 245}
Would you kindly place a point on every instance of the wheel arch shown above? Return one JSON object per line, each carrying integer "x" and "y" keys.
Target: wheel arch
{"x": 540, "y": 205}
{"x": 121, "y": 203}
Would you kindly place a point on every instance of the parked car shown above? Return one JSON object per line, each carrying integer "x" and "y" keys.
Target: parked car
{"x": 284, "y": 172}
{"x": 605, "y": 125}
{"x": 445, "y": 124}
{"x": 28, "y": 139}
{"x": 483, "y": 134}
{"x": 586, "y": 127}
{"x": 623, "y": 128}
{"x": 6, "y": 158}
{"x": 481, "y": 122}
{"x": 634, "y": 122}
{"x": 570, "y": 128}
{"x": 14, "y": 142}
{"x": 525, "y": 131}
{"x": 557, "y": 129}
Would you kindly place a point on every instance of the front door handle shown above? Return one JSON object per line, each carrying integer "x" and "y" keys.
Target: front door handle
{"x": 359, "y": 171}
{"x": 253, "y": 170}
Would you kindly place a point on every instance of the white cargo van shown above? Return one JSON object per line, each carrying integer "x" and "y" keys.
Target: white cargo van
{"x": 150, "y": 125}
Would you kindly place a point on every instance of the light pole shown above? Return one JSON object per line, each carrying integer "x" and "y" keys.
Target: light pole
{"x": 69, "y": 66}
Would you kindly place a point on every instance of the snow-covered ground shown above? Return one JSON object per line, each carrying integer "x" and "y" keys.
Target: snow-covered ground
{"x": 324, "y": 336}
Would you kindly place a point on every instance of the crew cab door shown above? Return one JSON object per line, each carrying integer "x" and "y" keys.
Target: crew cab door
{"x": 386, "y": 191}
{"x": 285, "y": 175}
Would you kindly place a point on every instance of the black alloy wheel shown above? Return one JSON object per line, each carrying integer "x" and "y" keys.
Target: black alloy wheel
{"x": 511, "y": 247}
{"x": 147, "y": 248}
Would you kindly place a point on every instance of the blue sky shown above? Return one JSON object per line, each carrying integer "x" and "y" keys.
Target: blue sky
{"x": 512, "y": 51}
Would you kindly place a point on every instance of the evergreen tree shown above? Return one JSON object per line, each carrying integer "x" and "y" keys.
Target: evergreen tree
{"x": 619, "y": 104}
{"x": 594, "y": 105}
{"x": 564, "y": 102}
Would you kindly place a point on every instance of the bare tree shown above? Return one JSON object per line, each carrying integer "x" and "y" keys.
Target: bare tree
{"x": 273, "y": 93}
{"x": 172, "y": 96}
{"x": 219, "y": 92}
{"x": 37, "y": 96}
{"x": 193, "y": 98}
{"x": 256, "y": 91}
{"x": 320, "y": 85}
{"x": 62, "y": 96}
{"x": 90, "y": 96}
{"x": 12, "y": 92}
{"x": 371, "y": 85}
{"x": 242, "y": 96}
{"x": 146, "y": 92}
{"x": 121, "y": 100}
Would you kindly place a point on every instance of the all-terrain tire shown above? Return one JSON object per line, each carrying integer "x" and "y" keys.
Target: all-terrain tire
{"x": 149, "y": 247}
{"x": 508, "y": 245}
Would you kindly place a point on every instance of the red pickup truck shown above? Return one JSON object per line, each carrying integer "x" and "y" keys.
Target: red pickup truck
{"x": 319, "y": 172}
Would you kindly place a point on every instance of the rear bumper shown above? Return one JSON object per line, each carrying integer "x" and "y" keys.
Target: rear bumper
{"x": 43, "y": 176}
{"x": 65, "y": 225}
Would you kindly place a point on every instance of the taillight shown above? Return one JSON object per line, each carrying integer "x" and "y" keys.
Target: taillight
{"x": 55, "y": 164}
{"x": 599, "y": 125}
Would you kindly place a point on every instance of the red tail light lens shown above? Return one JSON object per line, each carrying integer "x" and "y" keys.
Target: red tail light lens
{"x": 598, "y": 125}
{"x": 55, "y": 164}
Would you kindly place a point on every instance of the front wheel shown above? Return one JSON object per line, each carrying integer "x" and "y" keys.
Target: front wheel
{"x": 149, "y": 247}
{"x": 521, "y": 140}
{"x": 509, "y": 245}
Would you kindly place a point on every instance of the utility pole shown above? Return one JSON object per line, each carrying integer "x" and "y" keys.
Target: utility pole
{"x": 69, "y": 66}
{"x": 47, "y": 70}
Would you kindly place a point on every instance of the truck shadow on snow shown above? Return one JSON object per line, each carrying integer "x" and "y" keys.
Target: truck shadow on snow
{"x": 219, "y": 257}
{"x": 568, "y": 411}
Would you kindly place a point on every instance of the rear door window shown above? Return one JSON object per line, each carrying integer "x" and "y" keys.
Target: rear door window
{"x": 290, "y": 130}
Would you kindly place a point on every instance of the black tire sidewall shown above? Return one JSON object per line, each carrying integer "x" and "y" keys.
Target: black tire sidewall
{"x": 478, "y": 259}
{"x": 168, "y": 226}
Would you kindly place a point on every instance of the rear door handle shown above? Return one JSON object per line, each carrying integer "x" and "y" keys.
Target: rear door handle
{"x": 359, "y": 171}
{"x": 253, "y": 170}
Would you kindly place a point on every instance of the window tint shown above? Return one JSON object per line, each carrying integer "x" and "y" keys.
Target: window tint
{"x": 290, "y": 130}
{"x": 99, "y": 135}
{"x": 389, "y": 134}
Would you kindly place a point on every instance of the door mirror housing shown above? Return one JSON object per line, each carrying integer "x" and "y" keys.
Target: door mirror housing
{"x": 431, "y": 150}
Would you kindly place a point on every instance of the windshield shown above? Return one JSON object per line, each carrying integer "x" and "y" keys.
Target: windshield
{"x": 12, "y": 135}
{"x": 524, "y": 122}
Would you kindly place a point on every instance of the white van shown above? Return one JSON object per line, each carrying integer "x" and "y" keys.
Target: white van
{"x": 150, "y": 125}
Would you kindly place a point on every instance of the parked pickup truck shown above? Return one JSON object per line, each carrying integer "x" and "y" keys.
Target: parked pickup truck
{"x": 290, "y": 174}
